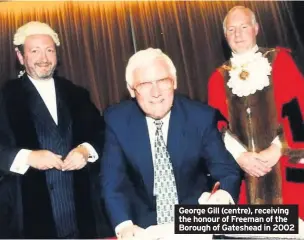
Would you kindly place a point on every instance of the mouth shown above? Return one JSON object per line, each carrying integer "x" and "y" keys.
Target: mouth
{"x": 157, "y": 102}
{"x": 43, "y": 65}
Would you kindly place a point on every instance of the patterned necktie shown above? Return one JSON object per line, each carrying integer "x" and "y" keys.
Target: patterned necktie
{"x": 164, "y": 181}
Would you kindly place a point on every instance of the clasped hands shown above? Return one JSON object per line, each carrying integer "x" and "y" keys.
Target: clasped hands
{"x": 259, "y": 164}
{"x": 44, "y": 159}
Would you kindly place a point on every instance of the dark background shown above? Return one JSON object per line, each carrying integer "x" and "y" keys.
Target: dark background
{"x": 98, "y": 38}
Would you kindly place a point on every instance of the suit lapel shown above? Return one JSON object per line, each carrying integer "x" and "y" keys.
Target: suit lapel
{"x": 37, "y": 107}
{"x": 176, "y": 137}
{"x": 142, "y": 148}
{"x": 63, "y": 114}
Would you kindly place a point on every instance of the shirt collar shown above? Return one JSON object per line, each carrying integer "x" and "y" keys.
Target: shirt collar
{"x": 40, "y": 82}
{"x": 164, "y": 119}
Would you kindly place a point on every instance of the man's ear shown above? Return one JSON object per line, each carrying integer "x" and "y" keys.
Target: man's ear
{"x": 256, "y": 29}
{"x": 131, "y": 91}
{"x": 175, "y": 84}
{"x": 19, "y": 55}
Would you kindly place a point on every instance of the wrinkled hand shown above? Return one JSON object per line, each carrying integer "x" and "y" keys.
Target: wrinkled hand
{"x": 219, "y": 197}
{"x": 271, "y": 155}
{"x": 76, "y": 159}
{"x": 131, "y": 232}
{"x": 44, "y": 159}
{"x": 251, "y": 164}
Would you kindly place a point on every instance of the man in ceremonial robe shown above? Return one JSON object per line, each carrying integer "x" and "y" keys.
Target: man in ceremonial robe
{"x": 50, "y": 135}
{"x": 260, "y": 95}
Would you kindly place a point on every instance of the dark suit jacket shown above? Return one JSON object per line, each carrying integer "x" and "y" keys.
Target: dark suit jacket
{"x": 195, "y": 147}
{"x": 18, "y": 112}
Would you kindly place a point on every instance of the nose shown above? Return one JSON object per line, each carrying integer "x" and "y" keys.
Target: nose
{"x": 155, "y": 91}
{"x": 44, "y": 57}
{"x": 237, "y": 32}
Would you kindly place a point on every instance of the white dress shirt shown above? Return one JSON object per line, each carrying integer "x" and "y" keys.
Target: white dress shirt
{"x": 46, "y": 89}
{"x": 151, "y": 131}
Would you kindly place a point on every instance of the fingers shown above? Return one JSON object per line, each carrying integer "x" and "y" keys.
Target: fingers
{"x": 257, "y": 171}
{"x": 68, "y": 162}
{"x": 254, "y": 166}
{"x": 131, "y": 232}
{"x": 128, "y": 234}
{"x": 217, "y": 198}
{"x": 74, "y": 161}
{"x": 44, "y": 167}
{"x": 58, "y": 163}
{"x": 69, "y": 166}
{"x": 138, "y": 231}
{"x": 220, "y": 197}
{"x": 44, "y": 159}
{"x": 48, "y": 160}
{"x": 261, "y": 168}
{"x": 54, "y": 161}
{"x": 204, "y": 198}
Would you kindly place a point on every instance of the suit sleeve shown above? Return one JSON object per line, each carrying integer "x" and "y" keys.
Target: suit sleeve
{"x": 217, "y": 98}
{"x": 88, "y": 122}
{"x": 8, "y": 149}
{"x": 220, "y": 162}
{"x": 114, "y": 178}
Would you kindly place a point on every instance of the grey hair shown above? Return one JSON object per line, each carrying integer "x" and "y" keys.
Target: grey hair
{"x": 253, "y": 18}
{"x": 144, "y": 57}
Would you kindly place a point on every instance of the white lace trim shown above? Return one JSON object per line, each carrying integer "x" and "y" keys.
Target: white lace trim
{"x": 258, "y": 71}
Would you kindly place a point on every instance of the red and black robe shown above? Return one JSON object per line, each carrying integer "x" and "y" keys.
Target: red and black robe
{"x": 277, "y": 110}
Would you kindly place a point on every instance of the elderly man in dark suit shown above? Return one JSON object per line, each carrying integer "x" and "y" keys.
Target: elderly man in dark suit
{"x": 50, "y": 135}
{"x": 159, "y": 149}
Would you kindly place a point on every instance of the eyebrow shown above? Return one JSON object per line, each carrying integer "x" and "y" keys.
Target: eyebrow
{"x": 156, "y": 80}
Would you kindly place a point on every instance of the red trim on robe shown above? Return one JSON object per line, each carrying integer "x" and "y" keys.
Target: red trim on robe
{"x": 288, "y": 83}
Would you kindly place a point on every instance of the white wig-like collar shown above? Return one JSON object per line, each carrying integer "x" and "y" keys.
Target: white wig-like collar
{"x": 34, "y": 28}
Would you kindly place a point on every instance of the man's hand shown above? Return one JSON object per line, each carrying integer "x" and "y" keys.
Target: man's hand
{"x": 130, "y": 232}
{"x": 161, "y": 231}
{"x": 251, "y": 164}
{"x": 76, "y": 159}
{"x": 44, "y": 159}
{"x": 219, "y": 197}
{"x": 271, "y": 155}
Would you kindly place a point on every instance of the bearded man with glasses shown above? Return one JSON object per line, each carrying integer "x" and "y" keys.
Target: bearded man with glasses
{"x": 159, "y": 149}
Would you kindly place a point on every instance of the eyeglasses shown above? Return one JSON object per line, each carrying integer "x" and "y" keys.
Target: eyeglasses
{"x": 146, "y": 87}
